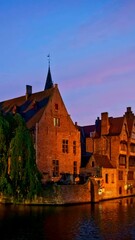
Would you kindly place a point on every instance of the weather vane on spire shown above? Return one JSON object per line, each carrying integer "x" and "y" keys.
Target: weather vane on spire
{"x": 48, "y": 56}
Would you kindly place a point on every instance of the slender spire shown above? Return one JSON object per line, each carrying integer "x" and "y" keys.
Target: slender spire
{"x": 49, "y": 82}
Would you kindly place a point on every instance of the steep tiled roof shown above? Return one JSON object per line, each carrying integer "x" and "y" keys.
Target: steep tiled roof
{"x": 87, "y": 129}
{"x": 130, "y": 124}
{"x": 31, "y": 109}
{"x": 85, "y": 159}
{"x": 102, "y": 161}
{"x": 115, "y": 125}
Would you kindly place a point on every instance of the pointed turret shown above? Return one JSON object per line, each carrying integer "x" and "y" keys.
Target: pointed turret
{"x": 49, "y": 82}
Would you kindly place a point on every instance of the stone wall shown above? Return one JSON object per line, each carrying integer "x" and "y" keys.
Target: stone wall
{"x": 65, "y": 194}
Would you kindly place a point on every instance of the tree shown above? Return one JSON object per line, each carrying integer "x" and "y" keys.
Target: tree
{"x": 21, "y": 176}
{"x": 5, "y": 187}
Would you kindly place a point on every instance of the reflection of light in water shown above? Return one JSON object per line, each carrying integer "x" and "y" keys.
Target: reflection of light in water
{"x": 108, "y": 220}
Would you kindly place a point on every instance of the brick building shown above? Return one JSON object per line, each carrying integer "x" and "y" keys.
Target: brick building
{"x": 109, "y": 146}
{"x": 56, "y": 138}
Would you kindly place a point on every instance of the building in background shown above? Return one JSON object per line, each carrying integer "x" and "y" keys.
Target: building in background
{"x": 108, "y": 154}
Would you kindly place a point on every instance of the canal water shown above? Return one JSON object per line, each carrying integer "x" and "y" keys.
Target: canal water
{"x": 110, "y": 220}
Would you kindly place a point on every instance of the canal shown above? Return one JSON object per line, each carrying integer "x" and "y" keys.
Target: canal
{"x": 110, "y": 220}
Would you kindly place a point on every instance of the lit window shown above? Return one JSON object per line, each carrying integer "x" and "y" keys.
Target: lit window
{"x": 65, "y": 146}
{"x": 56, "y": 121}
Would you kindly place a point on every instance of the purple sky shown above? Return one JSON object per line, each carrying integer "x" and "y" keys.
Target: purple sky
{"x": 92, "y": 48}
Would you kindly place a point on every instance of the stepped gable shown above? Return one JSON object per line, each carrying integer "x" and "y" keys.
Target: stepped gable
{"x": 30, "y": 107}
{"x": 130, "y": 117}
{"x": 102, "y": 161}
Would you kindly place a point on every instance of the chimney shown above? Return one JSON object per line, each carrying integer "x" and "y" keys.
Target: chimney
{"x": 28, "y": 91}
{"x": 104, "y": 123}
{"x": 97, "y": 122}
{"x": 129, "y": 109}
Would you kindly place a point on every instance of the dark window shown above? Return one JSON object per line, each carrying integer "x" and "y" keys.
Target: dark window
{"x": 131, "y": 161}
{"x": 120, "y": 176}
{"x": 56, "y": 106}
{"x": 122, "y": 160}
{"x": 93, "y": 163}
{"x": 55, "y": 164}
{"x": 65, "y": 146}
{"x": 130, "y": 175}
{"x": 112, "y": 177}
{"x": 75, "y": 168}
{"x": 74, "y": 147}
{"x": 106, "y": 178}
{"x": 123, "y": 146}
{"x": 132, "y": 148}
{"x": 120, "y": 190}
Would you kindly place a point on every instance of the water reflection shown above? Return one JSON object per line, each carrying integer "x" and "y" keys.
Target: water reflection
{"x": 109, "y": 220}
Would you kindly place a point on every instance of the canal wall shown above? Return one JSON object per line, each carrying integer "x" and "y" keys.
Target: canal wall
{"x": 65, "y": 194}
{"x": 54, "y": 194}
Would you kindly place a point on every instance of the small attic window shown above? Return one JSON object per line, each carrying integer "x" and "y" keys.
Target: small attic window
{"x": 56, "y": 106}
{"x": 34, "y": 104}
{"x": 14, "y": 110}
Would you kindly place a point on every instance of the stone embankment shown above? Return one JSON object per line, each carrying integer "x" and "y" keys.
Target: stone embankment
{"x": 59, "y": 195}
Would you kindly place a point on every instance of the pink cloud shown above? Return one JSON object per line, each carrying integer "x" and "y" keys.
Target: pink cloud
{"x": 102, "y": 72}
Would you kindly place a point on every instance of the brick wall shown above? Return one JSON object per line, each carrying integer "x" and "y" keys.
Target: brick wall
{"x": 49, "y": 139}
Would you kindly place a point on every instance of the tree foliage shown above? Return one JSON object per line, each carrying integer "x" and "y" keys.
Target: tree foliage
{"x": 19, "y": 176}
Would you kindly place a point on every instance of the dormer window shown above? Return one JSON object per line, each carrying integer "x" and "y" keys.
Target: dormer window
{"x": 122, "y": 160}
{"x": 34, "y": 104}
{"x": 123, "y": 146}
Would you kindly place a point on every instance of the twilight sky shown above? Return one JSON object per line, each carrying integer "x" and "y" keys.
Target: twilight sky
{"x": 92, "y": 49}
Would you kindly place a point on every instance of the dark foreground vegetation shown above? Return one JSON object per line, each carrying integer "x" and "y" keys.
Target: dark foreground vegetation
{"x": 19, "y": 176}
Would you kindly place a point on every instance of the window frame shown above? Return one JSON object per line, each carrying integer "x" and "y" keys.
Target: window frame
{"x": 65, "y": 146}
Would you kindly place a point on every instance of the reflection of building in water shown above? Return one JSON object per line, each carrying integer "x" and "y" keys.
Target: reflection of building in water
{"x": 108, "y": 154}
